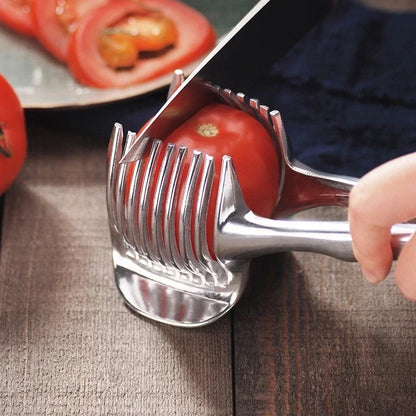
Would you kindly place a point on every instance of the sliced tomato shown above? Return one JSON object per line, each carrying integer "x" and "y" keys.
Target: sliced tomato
{"x": 218, "y": 130}
{"x": 55, "y": 20}
{"x": 195, "y": 37}
{"x": 13, "y": 142}
{"x": 16, "y": 14}
{"x": 151, "y": 32}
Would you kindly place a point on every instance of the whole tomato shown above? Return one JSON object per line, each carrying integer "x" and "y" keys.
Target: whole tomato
{"x": 218, "y": 129}
{"x": 13, "y": 141}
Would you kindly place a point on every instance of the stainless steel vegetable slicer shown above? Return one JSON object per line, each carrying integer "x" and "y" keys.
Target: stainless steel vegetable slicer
{"x": 166, "y": 272}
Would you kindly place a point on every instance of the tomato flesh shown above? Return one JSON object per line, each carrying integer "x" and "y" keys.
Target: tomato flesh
{"x": 16, "y": 14}
{"x": 121, "y": 44}
{"x": 67, "y": 14}
{"x": 55, "y": 20}
{"x": 218, "y": 130}
{"x": 195, "y": 37}
{"x": 13, "y": 142}
{"x": 118, "y": 50}
{"x": 152, "y": 32}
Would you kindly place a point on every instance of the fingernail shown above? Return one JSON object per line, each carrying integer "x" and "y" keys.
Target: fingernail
{"x": 371, "y": 276}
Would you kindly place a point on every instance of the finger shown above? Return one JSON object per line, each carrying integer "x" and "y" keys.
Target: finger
{"x": 405, "y": 271}
{"x": 383, "y": 197}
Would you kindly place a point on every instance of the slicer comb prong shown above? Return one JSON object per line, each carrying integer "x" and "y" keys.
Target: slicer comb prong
{"x": 115, "y": 148}
{"x": 200, "y": 224}
{"x": 120, "y": 190}
{"x": 186, "y": 210}
{"x": 158, "y": 202}
{"x": 133, "y": 207}
{"x": 170, "y": 210}
{"x": 144, "y": 199}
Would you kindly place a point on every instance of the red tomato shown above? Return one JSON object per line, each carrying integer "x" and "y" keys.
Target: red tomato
{"x": 13, "y": 143}
{"x": 218, "y": 130}
{"x": 16, "y": 15}
{"x": 195, "y": 38}
{"x": 55, "y": 20}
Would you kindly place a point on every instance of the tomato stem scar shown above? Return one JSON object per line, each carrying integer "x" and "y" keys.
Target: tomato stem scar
{"x": 207, "y": 130}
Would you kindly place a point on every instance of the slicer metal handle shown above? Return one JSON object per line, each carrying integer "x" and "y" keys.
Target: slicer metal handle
{"x": 305, "y": 188}
{"x": 250, "y": 236}
{"x": 240, "y": 233}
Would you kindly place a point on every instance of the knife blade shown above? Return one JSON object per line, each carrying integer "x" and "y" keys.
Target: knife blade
{"x": 238, "y": 61}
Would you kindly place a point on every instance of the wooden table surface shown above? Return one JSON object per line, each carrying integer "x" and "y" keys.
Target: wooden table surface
{"x": 309, "y": 337}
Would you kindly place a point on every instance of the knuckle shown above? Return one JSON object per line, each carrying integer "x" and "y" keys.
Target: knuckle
{"x": 358, "y": 202}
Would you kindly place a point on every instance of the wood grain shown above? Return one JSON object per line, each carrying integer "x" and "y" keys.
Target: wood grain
{"x": 309, "y": 337}
{"x": 312, "y": 337}
{"x": 68, "y": 345}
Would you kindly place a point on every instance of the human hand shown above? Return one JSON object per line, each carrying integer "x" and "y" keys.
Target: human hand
{"x": 383, "y": 197}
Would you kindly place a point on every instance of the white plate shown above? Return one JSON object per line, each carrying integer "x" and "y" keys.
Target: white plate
{"x": 42, "y": 82}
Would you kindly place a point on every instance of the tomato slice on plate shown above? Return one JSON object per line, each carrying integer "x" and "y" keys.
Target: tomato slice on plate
{"x": 13, "y": 142}
{"x": 16, "y": 14}
{"x": 195, "y": 37}
{"x": 55, "y": 20}
{"x": 218, "y": 129}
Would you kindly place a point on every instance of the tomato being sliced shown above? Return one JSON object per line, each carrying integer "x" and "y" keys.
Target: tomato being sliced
{"x": 217, "y": 130}
{"x": 55, "y": 20}
{"x": 13, "y": 143}
{"x": 195, "y": 37}
{"x": 16, "y": 14}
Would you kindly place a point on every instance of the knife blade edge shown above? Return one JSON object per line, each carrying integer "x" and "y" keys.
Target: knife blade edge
{"x": 130, "y": 153}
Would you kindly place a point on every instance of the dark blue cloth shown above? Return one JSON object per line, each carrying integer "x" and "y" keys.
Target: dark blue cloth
{"x": 346, "y": 91}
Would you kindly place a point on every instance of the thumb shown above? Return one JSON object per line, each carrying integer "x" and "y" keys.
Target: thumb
{"x": 405, "y": 271}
